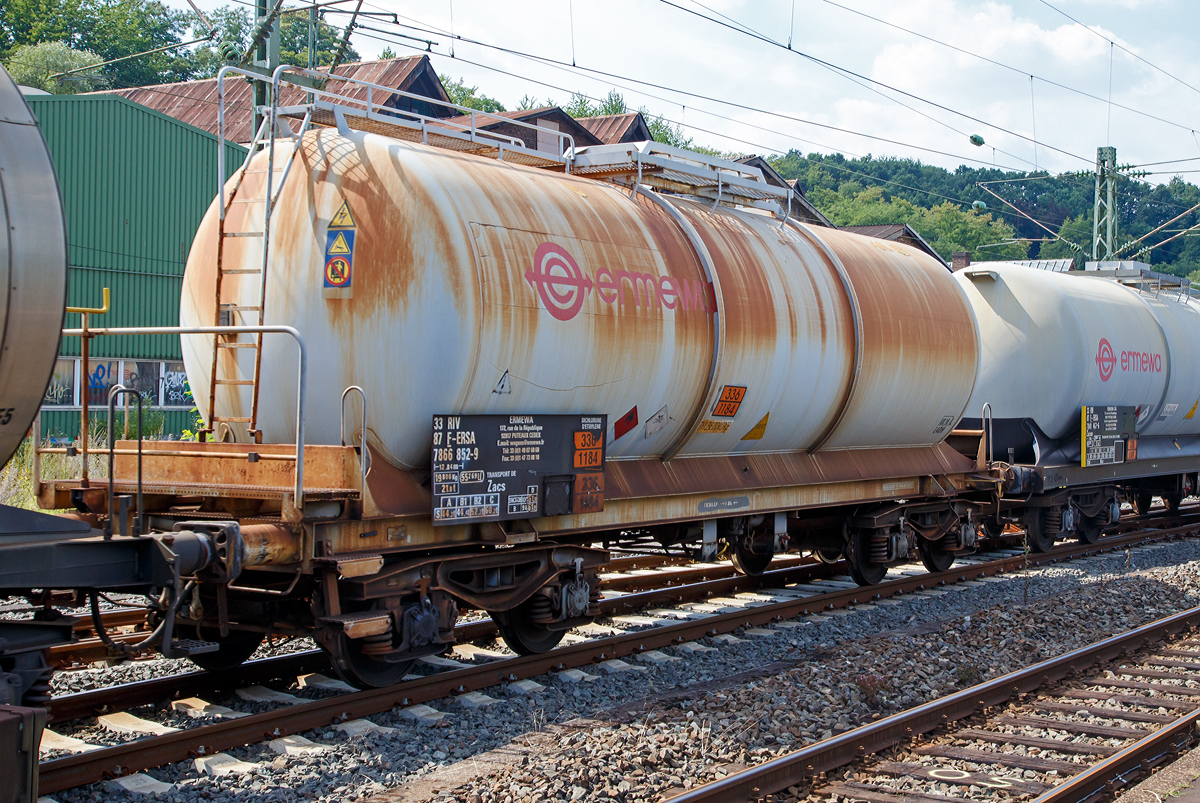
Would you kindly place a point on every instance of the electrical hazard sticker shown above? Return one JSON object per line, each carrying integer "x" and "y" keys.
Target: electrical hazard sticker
{"x": 339, "y": 253}
{"x": 342, "y": 219}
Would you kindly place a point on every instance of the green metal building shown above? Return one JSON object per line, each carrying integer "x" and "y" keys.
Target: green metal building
{"x": 135, "y": 184}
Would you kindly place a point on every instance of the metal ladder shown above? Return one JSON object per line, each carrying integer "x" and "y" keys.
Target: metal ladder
{"x": 264, "y": 139}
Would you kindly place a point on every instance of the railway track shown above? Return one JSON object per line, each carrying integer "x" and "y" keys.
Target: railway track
{"x": 206, "y": 739}
{"x": 1093, "y": 729}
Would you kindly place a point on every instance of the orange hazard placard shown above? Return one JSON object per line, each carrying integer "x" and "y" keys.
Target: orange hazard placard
{"x": 731, "y": 399}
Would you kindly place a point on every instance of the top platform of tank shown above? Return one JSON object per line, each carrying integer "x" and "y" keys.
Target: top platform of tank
{"x": 1137, "y": 275}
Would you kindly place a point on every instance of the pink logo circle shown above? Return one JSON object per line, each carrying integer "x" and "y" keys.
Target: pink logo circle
{"x": 559, "y": 282}
{"x": 1105, "y": 360}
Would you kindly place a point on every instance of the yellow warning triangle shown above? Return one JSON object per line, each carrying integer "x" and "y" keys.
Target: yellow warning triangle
{"x": 342, "y": 219}
{"x": 339, "y": 248}
{"x": 1192, "y": 412}
{"x": 759, "y": 430}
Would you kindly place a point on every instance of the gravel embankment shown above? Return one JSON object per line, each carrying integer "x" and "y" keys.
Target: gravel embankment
{"x": 635, "y": 735}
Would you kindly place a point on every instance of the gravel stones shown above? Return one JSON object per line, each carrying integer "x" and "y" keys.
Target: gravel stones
{"x": 630, "y": 736}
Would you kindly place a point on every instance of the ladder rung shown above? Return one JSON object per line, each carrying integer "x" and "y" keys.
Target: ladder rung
{"x": 243, "y": 234}
{"x": 242, "y": 270}
{"x": 217, "y": 418}
{"x": 235, "y": 381}
{"x": 236, "y": 308}
{"x": 237, "y": 345}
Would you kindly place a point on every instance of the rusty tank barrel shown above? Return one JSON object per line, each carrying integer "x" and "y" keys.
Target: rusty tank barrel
{"x": 444, "y": 283}
{"x": 270, "y": 545}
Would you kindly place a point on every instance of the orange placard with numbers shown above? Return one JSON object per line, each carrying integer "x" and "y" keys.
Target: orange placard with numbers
{"x": 730, "y": 401}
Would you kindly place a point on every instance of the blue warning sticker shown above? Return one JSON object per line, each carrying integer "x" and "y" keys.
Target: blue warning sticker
{"x": 339, "y": 258}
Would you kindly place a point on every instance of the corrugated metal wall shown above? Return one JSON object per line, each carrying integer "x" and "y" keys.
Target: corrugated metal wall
{"x": 135, "y": 185}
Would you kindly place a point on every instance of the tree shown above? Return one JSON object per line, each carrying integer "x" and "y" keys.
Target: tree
{"x": 232, "y": 25}
{"x": 293, "y": 42}
{"x": 947, "y": 227}
{"x": 117, "y": 28}
{"x": 32, "y": 22}
{"x": 32, "y": 65}
{"x": 467, "y": 96}
{"x": 387, "y": 53}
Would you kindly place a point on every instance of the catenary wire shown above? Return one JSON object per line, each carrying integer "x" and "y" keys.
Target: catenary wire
{"x": 1127, "y": 50}
{"x": 1009, "y": 67}
{"x": 846, "y": 71}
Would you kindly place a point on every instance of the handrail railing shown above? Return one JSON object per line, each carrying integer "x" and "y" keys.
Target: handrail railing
{"x": 342, "y": 432}
{"x": 230, "y": 330}
{"x": 566, "y": 141}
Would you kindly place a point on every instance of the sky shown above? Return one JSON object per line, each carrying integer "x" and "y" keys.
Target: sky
{"x": 914, "y": 97}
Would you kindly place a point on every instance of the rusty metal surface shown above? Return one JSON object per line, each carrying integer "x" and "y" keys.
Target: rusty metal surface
{"x": 77, "y": 770}
{"x": 195, "y": 102}
{"x": 794, "y": 768}
{"x": 615, "y": 315}
{"x": 631, "y": 479}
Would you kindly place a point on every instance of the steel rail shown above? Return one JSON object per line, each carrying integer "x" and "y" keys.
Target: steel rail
{"x": 77, "y": 770}
{"x": 1117, "y": 770}
{"x": 804, "y": 764}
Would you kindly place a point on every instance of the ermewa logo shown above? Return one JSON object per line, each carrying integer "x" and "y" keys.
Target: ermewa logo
{"x": 1132, "y": 362}
{"x": 1105, "y": 360}
{"x": 563, "y": 286}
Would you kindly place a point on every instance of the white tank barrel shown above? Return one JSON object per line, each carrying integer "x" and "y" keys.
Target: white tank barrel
{"x": 1054, "y": 342}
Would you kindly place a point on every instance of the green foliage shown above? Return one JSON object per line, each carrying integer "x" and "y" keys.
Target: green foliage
{"x": 113, "y": 29}
{"x": 31, "y": 22}
{"x": 465, "y": 95}
{"x": 387, "y": 53}
{"x": 946, "y": 227}
{"x": 32, "y": 65}
{"x": 116, "y": 28}
{"x": 1063, "y": 203}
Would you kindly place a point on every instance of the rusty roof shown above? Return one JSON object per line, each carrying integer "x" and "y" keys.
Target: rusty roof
{"x": 195, "y": 102}
{"x": 898, "y": 232}
{"x": 568, "y": 124}
{"x": 612, "y": 129}
{"x": 803, "y": 209}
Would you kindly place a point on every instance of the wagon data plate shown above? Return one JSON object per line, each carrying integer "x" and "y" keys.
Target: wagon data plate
{"x": 1109, "y": 435}
{"x": 503, "y": 467}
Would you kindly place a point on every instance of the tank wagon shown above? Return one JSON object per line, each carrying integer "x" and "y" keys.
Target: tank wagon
{"x": 438, "y": 367}
{"x": 1110, "y": 388}
{"x": 508, "y": 356}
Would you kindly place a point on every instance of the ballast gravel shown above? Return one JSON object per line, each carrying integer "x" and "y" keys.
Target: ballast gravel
{"x": 638, "y": 735}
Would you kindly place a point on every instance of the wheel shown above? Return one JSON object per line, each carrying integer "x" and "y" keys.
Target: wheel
{"x": 828, "y": 556}
{"x": 523, "y": 635}
{"x": 1141, "y": 503}
{"x": 993, "y": 528}
{"x": 868, "y": 574}
{"x": 233, "y": 651}
{"x": 1089, "y": 529}
{"x": 862, "y": 570}
{"x": 361, "y": 669}
{"x": 748, "y": 562}
{"x": 1039, "y": 540}
{"x": 1173, "y": 503}
{"x": 934, "y": 557}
